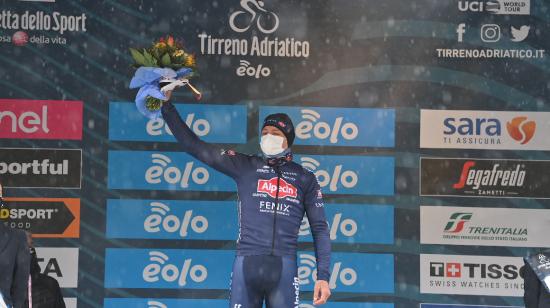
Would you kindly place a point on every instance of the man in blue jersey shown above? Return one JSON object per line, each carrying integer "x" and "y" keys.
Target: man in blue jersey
{"x": 274, "y": 194}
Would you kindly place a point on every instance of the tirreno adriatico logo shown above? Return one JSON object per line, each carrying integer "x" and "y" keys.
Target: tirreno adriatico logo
{"x": 257, "y": 14}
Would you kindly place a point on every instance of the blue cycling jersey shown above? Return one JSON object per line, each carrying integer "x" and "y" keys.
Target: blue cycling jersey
{"x": 273, "y": 197}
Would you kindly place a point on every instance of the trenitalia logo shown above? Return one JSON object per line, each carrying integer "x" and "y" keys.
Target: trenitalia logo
{"x": 484, "y": 226}
{"x": 472, "y": 129}
{"x": 40, "y": 119}
{"x": 456, "y": 222}
{"x": 484, "y": 177}
{"x": 477, "y": 178}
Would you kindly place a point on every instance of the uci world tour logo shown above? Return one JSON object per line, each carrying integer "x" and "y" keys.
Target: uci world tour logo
{"x": 456, "y": 222}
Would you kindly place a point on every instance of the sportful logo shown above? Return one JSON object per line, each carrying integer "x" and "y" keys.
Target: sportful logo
{"x": 171, "y": 223}
{"x": 332, "y": 180}
{"x": 521, "y": 129}
{"x": 307, "y": 272}
{"x": 312, "y": 127}
{"x": 270, "y": 187}
{"x": 253, "y": 12}
{"x": 159, "y": 268}
{"x": 172, "y": 174}
{"x": 457, "y": 221}
{"x": 36, "y": 167}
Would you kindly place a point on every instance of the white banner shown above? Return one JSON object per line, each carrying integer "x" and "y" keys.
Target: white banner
{"x": 470, "y": 129}
{"x": 59, "y": 263}
{"x": 70, "y": 302}
{"x": 484, "y": 226}
{"x": 471, "y": 275}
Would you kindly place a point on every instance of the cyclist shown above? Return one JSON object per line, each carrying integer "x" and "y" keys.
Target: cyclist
{"x": 274, "y": 193}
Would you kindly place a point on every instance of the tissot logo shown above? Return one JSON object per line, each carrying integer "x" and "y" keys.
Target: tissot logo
{"x": 471, "y": 275}
{"x": 456, "y": 222}
{"x": 46, "y": 168}
{"x": 474, "y": 270}
{"x": 284, "y": 190}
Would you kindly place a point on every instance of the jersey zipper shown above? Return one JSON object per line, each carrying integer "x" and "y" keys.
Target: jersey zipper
{"x": 275, "y": 212}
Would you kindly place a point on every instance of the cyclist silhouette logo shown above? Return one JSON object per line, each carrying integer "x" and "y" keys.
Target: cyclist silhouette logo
{"x": 253, "y": 11}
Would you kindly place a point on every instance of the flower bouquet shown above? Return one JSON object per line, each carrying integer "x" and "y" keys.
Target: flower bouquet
{"x": 161, "y": 68}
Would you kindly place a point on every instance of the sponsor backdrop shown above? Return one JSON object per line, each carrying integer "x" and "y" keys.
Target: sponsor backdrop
{"x": 424, "y": 121}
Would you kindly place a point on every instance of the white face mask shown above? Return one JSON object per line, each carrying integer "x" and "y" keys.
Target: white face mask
{"x": 271, "y": 144}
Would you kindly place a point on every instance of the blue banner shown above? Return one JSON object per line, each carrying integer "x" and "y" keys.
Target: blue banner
{"x": 354, "y": 175}
{"x": 211, "y": 269}
{"x": 463, "y": 306}
{"x": 212, "y": 123}
{"x": 211, "y": 303}
{"x": 163, "y": 171}
{"x": 217, "y": 220}
{"x": 356, "y": 224}
{"x": 339, "y": 126}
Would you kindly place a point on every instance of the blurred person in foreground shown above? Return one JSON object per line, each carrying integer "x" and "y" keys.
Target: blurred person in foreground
{"x": 45, "y": 290}
{"x": 14, "y": 261}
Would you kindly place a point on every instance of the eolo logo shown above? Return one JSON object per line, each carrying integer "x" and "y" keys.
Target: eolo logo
{"x": 521, "y": 130}
{"x": 456, "y": 222}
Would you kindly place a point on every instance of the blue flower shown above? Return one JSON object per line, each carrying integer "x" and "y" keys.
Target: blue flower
{"x": 141, "y": 100}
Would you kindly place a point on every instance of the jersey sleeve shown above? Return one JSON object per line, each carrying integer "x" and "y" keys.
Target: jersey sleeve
{"x": 21, "y": 271}
{"x": 315, "y": 210}
{"x": 227, "y": 162}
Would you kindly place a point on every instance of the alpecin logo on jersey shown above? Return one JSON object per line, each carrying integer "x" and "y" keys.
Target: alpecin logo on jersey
{"x": 270, "y": 187}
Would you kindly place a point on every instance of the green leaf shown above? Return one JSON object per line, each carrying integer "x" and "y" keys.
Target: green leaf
{"x": 165, "y": 60}
{"x": 138, "y": 57}
{"x": 149, "y": 59}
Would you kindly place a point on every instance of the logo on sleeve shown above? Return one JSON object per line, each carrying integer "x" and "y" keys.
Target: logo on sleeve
{"x": 270, "y": 187}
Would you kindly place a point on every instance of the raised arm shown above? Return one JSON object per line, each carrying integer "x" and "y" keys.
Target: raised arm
{"x": 315, "y": 210}
{"x": 227, "y": 162}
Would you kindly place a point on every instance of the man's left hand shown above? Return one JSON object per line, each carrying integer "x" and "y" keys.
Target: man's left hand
{"x": 321, "y": 293}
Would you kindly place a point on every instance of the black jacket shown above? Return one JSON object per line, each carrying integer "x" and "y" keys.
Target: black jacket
{"x": 14, "y": 266}
{"x": 45, "y": 289}
{"x": 535, "y": 296}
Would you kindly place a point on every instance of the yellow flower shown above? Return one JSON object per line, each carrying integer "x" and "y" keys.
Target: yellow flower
{"x": 178, "y": 53}
{"x": 190, "y": 61}
{"x": 160, "y": 45}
